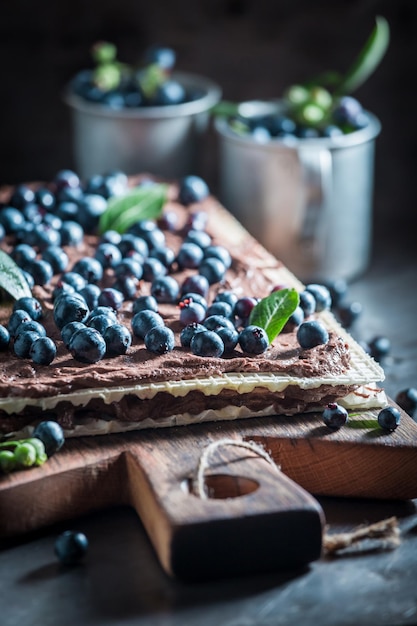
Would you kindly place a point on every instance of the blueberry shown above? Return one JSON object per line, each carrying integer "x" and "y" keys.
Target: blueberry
{"x": 192, "y": 189}
{"x": 127, "y": 286}
{"x": 71, "y": 547}
{"x": 198, "y": 237}
{"x": 128, "y": 267}
{"x": 31, "y": 325}
{"x": 162, "y": 56}
{"x": 30, "y": 305}
{"x": 90, "y": 293}
{"x": 68, "y": 212}
{"x": 45, "y": 198}
{"x": 160, "y": 339}
{"x": 220, "y": 308}
{"x": 68, "y": 330}
{"x": 338, "y": 291}
{"x": 307, "y": 303}
{"x": 23, "y": 343}
{"x": 348, "y": 312}
{"x": 41, "y": 271}
{"x": 108, "y": 255}
{"x": 152, "y": 269}
{"x": 87, "y": 345}
{"x": 207, "y": 344}
{"x": 189, "y": 331}
{"x": 43, "y": 351}
{"x": 169, "y": 92}
{"x": 111, "y": 236}
{"x": 103, "y": 310}
{"x": 72, "y": 233}
{"x": 389, "y": 418}
{"x": 347, "y": 111}
{"x": 51, "y": 435}
{"x": 191, "y": 311}
{"x": 380, "y": 347}
{"x": 22, "y": 254}
{"x": 193, "y": 297}
{"x": 57, "y": 258}
{"x": 4, "y": 338}
{"x": 218, "y": 252}
{"x": 227, "y": 296}
{"x": 132, "y": 243}
{"x": 165, "y": 289}
{"x": 407, "y": 400}
{"x": 16, "y": 318}
{"x": 100, "y": 323}
{"x": 118, "y": 339}
{"x": 21, "y": 196}
{"x": 213, "y": 322}
{"x": 70, "y": 308}
{"x": 296, "y": 318}
{"x": 335, "y": 416}
{"x": 42, "y": 235}
{"x": 53, "y": 221}
{"x": 213, "y": 269}
{"x": 244, "y": 306}
{"x": 164, "y": 254}
{"x": 253, "y": 340}
{"x": 74, "y": 279}
{"x": 143, "y": 321}
{"x": 66, "y": 179}
{"x": 62, "y": 288}
{"x": 196, "y": 284}
{"x": 321, "y": 295}
{"x": 113, "y": 184}
{"x": 91, "y": 207}
{"x": 189, "y": 255}
{"x": 143, "y": 303}
{"x": 229, "y": 336}
{"x": 111, "y": 297}
{"x": 311, "y": 334}
{"x": 89, "y": 268}
{"x": 11, "y": 219}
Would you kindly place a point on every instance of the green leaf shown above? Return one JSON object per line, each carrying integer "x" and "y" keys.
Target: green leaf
{"x": 272, "y": 313}
{"x": 11, "y": 278}
{"x": 368, "y": 59}
{"x": 141, "y": 203}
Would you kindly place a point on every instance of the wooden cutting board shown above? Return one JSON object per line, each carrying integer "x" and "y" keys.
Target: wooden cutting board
{"x": 257, "y": 517}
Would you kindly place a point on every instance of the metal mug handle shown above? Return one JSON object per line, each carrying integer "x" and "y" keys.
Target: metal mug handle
{"x": 316, "y": 165}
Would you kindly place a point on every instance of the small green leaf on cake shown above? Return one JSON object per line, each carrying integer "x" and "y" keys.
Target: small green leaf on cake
{"x": 272, "y": 313}
{"x": 142, "y": 203}
{"x": 11, "y": 278}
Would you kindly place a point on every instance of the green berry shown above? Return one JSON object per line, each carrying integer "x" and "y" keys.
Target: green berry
{"x": 104, "y": 52}
{"x": 297, "y": 95}
{"x": 39, "y": 446}
{"x": 25, "y": 454}
{"x": 7, "y": 461}
{"x": 107, "y": 76}
{"x": 321, "y": 97}
{"x": 311, "y": 114}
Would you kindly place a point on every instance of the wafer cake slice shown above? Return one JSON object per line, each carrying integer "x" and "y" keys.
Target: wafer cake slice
{"x": 144, "y": 389}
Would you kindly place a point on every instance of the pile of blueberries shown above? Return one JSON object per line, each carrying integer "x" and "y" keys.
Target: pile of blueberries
{"x": 305, "y": 114}
{"x": 119, "y": 86}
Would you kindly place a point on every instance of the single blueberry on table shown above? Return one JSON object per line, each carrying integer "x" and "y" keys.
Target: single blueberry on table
{"x": 87, "y": 345}
{"x": 193, "y": 297}
{"x": 51, "y": 435}
{"x": 16, "y": 318}
{"x": 32, "y": 325}
{"x": 321, "y": 295}
{"x": 226, "y": 296}
{"x": 89, "y": 268}
{"x": 160, "y": 339}
{"x": 198, "y": 237}
{"x": 57, "y": 257}
{"x": 143, "y": 303}
{"x": 127, "y": 285}
{"x": 100, "y": 323}
{"x": 22, "y": 254}
{"x": 90, "y": 293}
{"x": 11, "y": 219}
{"x": 164, "y": 254}
{"x": 189, "y": 255}
{"x": 311, "y": 334}
{"x": 108, "y": 255}
{"x": 71, "y": 232}
{"x": 220, "y": 308}
{"x": 229, "y": 336}
{"x": 169, "y": 92}
{"x": 295, "y": 319}
{"x": 348, "y": 312}
{"x": 207, "y": 344}
{"x": 21, "y": 196}
{"x": 103, "y": 310}
{"x": 74, "y": 279}
{"x": 70, "y": 308}
{"x": 213, "y": 269}
{"x": 41, "y": 271}
{"x": 380, "y": 347}
{"x": 128, "y": 267}
{"x": 165, "y": 289}
{"x": 218, "y": 252}
{"x": 43, "y": 351}
{"x": 111, "y": 297}
{"x": 152, "y": 269}
{"x": 335, "y": 416}
{"x": 71, "y": 547}
{"x": 244, "y": 306}
{"x": 389, "y": 418}
{"x": 214, "y": 322}
{"x": 68, "y": 330}
{"x": 307, "y": 303}
{"x": 253, "y": 340}
{"x": 191, "y": 311}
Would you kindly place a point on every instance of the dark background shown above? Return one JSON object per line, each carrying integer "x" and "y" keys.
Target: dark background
{"x": 252, "y": 48}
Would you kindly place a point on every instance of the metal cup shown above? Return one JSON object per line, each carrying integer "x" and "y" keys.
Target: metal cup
{"x": 308, "y": 201}
{"x": 162, "y": 140}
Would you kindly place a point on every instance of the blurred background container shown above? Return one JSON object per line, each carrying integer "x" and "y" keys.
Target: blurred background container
{"x": 253, "y": 49}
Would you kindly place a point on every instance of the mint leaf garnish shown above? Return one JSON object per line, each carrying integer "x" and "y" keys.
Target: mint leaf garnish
{"x": 368, "y": 59}
{"x": 141, "y": 203}
{"x": 11, "y": 278}
{"x": 272, "y": 313}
